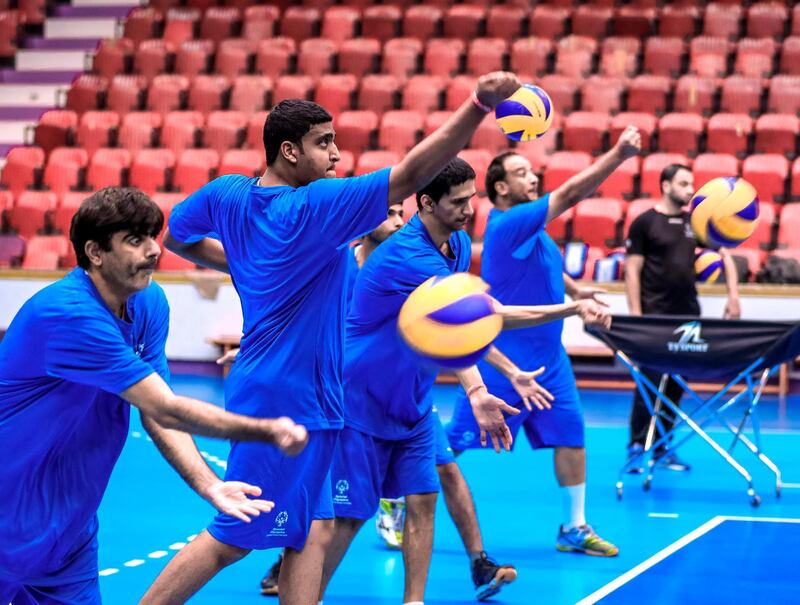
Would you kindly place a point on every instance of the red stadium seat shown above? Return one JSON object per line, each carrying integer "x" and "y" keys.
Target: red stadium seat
{"x": 233, "y": 57}
{"x": 695, "y": 94}
{"x": 44, "y": 252}
{"x": 225, "y": 130}
{"x": 86, "y": 92}
{"x": 482, "y": 207}
{"x": 619, "y": 56}
{"x": 646, "y": 123}
{"x": 585, "y": 130}
{"x": 464, "y": 21}
{"x": 359, "y": 56}
{"x": 530, "y": 56}
{"x": 169, "y": 262}
{"x": 292, "y": 87}
{"x": 195, "y": 168}
{"x": 259, "y": 22}
{"x": 621, "y": 183}
{"x": 597, "y": 221}
{"x": 152, "y": 57}
{"x": 708, "y": 56}
{"x": 126, "y": 93}
{"x": 345, "y": 165}
{"x": 355, "y": 130}
{"x": 636, "y": 21}
{"x": 64, "y": 168}
{"x": 563, "y": 165}
{"x": 149, "y": 169}
{"x": 741, "y": 94}
{"x": 339, "y": 23}
{"x": 790, "y": 55}
{"x": 592, "y": 21}
{"x": 402, "y": 57}
{"x": 335, "y": 92}
{"x": 220, "y": 23}
{"x": 769, "y": 174}
{"x": 422, "y": 22}
{"x": 96, "y": 129}
{"x": 107, "y": 168}
{"x": 664, "y": 56}
{"x": 729, "y": 133}
{"x": 574, "y": 56}
{"x": 722, "y": 20}
{"x": 138, "y": 129}
{"x": 754, "y": 258}
{"x": 12, "y": 248}
{"x": 378, "y": 93}
{"x": 709, "y": 166}
{"x": 400, "y": 130}
{"x": 143, "y": 23}
{"x": 28, "y": 216}
{"x": 548, "y": 22}
{"x": 381, "y": 22}
{"x": 300, "y": 23}
{"x": 679, "y": 21}
{"x": 784, "y": 94}
{"x": 274, "y": 56}
{"x": 167, "y": 93}
{"x": 254, "y": 139}
{"x": 61, "y": 217}
{"x": 777, "y": 133}
{"x": 316, "y": 57}
{"x": 602, "y": 93}
{"x": 443, "y": 56}
{"x": 181, "y": 24}
{"x": 486, "y": 55}
{"x": 435, "y": 120}
{"x": 56, "y": 128}
{"x": 649, "y": 94}
{"x": 479, "y": 159}
{"x": 113, "y": 56}
{"x": 423, "y": 93}
{"x": 563, "y": 91}
{"x": 459, "y": 90}
{"x": 10, "y": 31}
{"x": 375, "y": 160}
{"x": 767, "y": 20}
{"x": 754, "y": 57}
{"x": 182, "y": 129}
{"x": 680, "y": 133}
{"x": 194, "y": 57}
{"x": 634, "y": 210}
{"x": 250, "y": 93}
{"x": 652, "y": 165}
{"x": 505, "y": 21}
{"x": 23, "y": 168}
{"x": 559, "y": 227}
{"x": 789, "y": 227}
{"x": 248, "y": 162}
{"x": 489, "y": 137}
{"x": 207, "y": 93}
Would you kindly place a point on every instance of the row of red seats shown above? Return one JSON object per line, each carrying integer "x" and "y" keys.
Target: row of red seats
{"x": 464, "y": 21}
{"x": 404, "y": 57}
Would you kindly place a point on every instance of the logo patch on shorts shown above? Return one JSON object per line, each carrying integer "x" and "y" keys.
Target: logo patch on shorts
{"x": 341, "y": 497}
{"x": 280, "y": 520}
{"x": 468, "y": 437}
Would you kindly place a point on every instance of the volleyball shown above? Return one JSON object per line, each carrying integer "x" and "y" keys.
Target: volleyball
{"x": 526, "y": 115}
{"x": 724, "y": 212}
{"x": 708, "y": 266}
{"x": 450, "y": 320}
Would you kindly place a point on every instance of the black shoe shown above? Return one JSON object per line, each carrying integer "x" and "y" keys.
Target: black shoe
{"x": 489, "y": 577}
{"x": 673, "y": 463}
{"x": 269, "y": 583}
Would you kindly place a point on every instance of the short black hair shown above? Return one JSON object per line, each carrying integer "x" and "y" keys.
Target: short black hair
{"x": 669, "y": 172}
{"x": 455, "y": 173}
{"x": 289, "y": 120}
{"x": 109, "y": 211}
{"x": 496, "y": 172}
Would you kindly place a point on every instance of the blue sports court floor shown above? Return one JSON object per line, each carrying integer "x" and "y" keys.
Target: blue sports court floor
{"x": 693, "y": 538}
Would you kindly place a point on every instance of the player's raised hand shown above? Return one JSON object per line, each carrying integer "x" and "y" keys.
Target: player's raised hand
{"x": 594, "y": 314}
{"x": 488, "y": 411}
{"x": 496, "y": 86}
{"x": 532, "y": 392}
{"x": 629, "y": 143}
{"x": 234, "y": 498}
{"x": 228, "y": 358}
{"x": 288, "y": 436}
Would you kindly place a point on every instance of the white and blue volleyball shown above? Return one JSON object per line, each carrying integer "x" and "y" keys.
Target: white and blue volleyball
{"x": 708, "y": 266}
{"x": 724, "y": 212}
{"x": 526, "y": 115}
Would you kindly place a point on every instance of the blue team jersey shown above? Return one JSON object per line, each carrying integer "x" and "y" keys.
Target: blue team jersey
{"x": 523, "y": 266}
{"x": 350, "y": 279}
{"x": 63, "y": 363}
{"x": 387, "y": 386}
{"x": 287, "y": 249}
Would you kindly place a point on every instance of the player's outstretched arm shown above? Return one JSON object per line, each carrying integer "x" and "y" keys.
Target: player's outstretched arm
{"x": 431, "y": 155}
{"x": 155, "y": 399}
{"x": 633, "y": 282}
{"x": 584, "y": 183}
{"x": 733, "y": 308}
{"x": 488, "y": 409}
{"x": 234, "y": 498}
{"x": 207, "y": 252}
{"x": 524, "y": 383}
{"x": 521, "y": 316}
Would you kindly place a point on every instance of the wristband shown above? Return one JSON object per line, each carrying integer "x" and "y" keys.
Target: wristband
{"x": 474, "y": 388}
{"x": 478, "y": 104}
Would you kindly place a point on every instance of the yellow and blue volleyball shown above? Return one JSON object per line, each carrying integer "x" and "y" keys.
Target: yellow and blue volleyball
{"x": 450, "y": 320}
{"x": 526, "y": 115}
{"x": 724, "y": 212}
{"x": 708, "y": 266}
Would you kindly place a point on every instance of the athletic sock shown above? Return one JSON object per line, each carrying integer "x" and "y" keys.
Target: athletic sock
{"x": 574, "y": 497}
{"x": 414, "y": 603}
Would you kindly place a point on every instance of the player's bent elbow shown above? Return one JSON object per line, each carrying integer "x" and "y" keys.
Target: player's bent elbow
{"x": 171, "y": 244}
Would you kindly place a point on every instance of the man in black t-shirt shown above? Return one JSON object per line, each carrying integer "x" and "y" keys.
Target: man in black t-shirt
{"x": 660, "y": 279}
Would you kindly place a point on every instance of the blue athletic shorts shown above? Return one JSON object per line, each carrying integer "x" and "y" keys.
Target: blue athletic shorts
{"x": 366, "y": 469}
{"x": 444, "y": 453}
{"x": 299, "y": 485}
{"x": 561, "y": 426}
{"x": 86, "y": 592}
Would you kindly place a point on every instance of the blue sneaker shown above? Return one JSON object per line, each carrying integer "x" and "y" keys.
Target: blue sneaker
{"x": 583, "y": 539}
{"x": 634, "y": 450}
{"x": 489, "y": 577}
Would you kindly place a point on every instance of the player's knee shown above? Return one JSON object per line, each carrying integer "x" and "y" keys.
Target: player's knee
{"x": 421, "y": 507}
{"x": 348, "y": 524}
{"x": 448, "y": 473}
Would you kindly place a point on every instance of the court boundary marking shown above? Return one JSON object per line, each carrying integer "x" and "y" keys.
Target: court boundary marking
{"x": 681, "y": 542}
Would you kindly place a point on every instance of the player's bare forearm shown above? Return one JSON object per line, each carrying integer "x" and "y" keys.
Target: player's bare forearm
{"x": 731, "y": 275}
{"x": 431, "y": 155}
{"x": 527, "y": 316}
{"x": 207, "y": 252}
{"x": 498, "y": 360}
{"x": 570, "y": 287}
{"x": 469, "y": 378}
{"x": 633, "y": 286}
{"x": 181, "y": 452}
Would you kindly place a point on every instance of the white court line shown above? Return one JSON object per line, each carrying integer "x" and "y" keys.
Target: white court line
{"x": 763, "y": 519}
{"x": 791, "y": 485}
{"x": 656, "y": 558}
{"x": 663, "y": 515}
{"x": 159, "y": 554}
{"x": 134, "y": 563}
{"x": 107, "y": 572}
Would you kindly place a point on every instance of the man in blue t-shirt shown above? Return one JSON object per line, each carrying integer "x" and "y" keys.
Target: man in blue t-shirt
{"x": 524, "y": 266}
{"x": 388, "y": 445}
{"x": 284, "y": 239}
{"x": 75, "y": 356}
